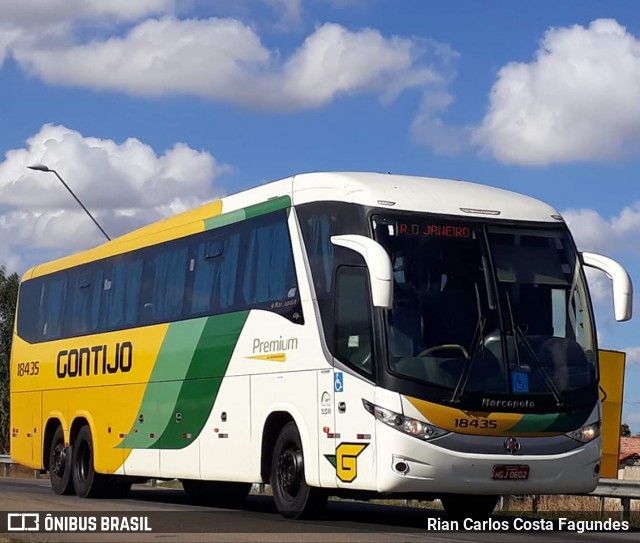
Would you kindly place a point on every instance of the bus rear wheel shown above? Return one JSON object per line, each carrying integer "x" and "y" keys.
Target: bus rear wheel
{"x": 461, "y": 506}
{"x": 293, "y": 497}
{"x": 60, "y": 464}
{"x": 87, "y": 482}
{"x": 218, "y": 493}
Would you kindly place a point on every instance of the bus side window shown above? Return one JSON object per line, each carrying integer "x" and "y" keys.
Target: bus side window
{"x": 353, "y": 325}
{"x": 268, "y": 272}
{"x": 84, "y": 311}
{"x": 267, "y": 276}
{"x": 55, "y": 298}
{"x": 215, "y": 267}
{"x": 120, "y": 293}
{"x": 167, "y": 279}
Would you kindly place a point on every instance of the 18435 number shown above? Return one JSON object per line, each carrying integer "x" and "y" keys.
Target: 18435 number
{"x": 481, "y": 424}
{"x": 26, "y": 369}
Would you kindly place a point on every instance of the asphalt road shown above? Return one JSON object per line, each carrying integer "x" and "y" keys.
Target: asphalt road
{"x": 256, "y": 521}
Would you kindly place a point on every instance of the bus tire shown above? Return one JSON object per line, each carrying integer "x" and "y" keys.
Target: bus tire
{"x": 87, "y": 482}
{"x": 217, "y": 493}
{"x": 293, "y": 497}
{"x": 461, "y": 506}
{"x": 60, "y": 462}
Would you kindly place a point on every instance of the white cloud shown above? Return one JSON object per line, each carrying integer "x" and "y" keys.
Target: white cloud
{"x": 429, "y": 128}
{"x": 124, "y": 185}
{"x": 633, "y": 356}
{"x": 32, "y": 12}
{"x": 8, "y": 36}
{"x": 224, "y": 59}
{"x": 334, "y": 60}
{"x": 25, "y": 22}
{"x": 616, "y": 234}
{"x": 576, "y": 101}
{"x": 600, "y": 288}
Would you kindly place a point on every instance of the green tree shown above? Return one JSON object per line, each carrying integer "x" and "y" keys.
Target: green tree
{"x": 8, "y": 297}
{"x": 625, "y": 431}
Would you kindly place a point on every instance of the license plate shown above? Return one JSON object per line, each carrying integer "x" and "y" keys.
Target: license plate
{"x": 510, "y": 473}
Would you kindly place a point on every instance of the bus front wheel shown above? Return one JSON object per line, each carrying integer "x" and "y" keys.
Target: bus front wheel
{"x": 461, "y": 506}
{"x": 293, "y": 497}
{"x": 60, "y": 464}
{"x": 87, "y": 482}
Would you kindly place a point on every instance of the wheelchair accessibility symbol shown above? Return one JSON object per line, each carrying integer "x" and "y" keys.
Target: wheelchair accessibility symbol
{"x": 338, "y": 383}
{"x": 520, "y": 381}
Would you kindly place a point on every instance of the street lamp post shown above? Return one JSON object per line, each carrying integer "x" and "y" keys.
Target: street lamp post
{"x": 43, "y": 168}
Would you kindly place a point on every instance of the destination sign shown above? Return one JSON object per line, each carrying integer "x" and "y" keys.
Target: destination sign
{"x": 434, "y": 230}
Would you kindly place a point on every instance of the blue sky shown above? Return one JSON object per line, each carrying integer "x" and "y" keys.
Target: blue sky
{"x": 147, "y": 108}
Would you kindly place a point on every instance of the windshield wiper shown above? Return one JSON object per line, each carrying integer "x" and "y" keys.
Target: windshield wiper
{"x": 477, "y": 341}
{"x": 540, "y": 369}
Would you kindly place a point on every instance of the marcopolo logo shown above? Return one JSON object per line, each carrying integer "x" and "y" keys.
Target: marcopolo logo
{"x": 273, "y": 350}
{"x": 508, "y": 404}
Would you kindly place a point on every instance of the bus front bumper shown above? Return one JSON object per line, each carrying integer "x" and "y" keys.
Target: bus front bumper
{"x": 406, "y": 464}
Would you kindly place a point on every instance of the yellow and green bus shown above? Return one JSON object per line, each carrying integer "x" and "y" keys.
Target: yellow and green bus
{"x": 353, "y": 334}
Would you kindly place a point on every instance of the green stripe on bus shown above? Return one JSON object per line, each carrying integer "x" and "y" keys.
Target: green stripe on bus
{"x": 554, "y": 422}
{"x": 281, "y": 202}
{"x": 162, "y": 392}
{"x": 568, "y": 422}
{"x": 224, "y": 219}
{"x": 204, "y": 378}
{"x": 185, "y": 381}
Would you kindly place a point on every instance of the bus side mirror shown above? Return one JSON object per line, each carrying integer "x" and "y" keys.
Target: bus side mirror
{"x": 378, "y": 264}
{"x": 622, "y": 287}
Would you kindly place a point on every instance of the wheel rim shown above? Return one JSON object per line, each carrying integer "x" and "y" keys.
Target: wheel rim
{"x": 82, "y": 463}
{"x": 290, "y": 471}
{"x": 58, "y": 459}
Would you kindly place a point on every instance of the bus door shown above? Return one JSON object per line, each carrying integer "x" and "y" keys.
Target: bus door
{"x": 354, "y": 346}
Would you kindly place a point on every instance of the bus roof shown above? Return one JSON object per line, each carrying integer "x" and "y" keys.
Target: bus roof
{"x": 424, "y": 194}
{"x": 404, "y": 192}
{"x": 394, "y": 192}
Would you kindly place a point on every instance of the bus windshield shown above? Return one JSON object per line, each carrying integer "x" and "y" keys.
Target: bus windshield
{"x": 489, "y": 309}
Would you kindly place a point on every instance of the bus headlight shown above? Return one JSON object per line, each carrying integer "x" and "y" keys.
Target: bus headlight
{"x": 586, "y": 433}
{"x": 407, "y": 425}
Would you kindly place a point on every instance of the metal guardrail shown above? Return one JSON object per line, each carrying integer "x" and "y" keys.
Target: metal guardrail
{"x": 623, "y": 490}
{"x": 617, "y": 488}
{"x": 6, "y": 461}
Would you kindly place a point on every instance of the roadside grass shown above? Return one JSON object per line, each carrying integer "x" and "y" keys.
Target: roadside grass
{"x": 572, "y": 507}
{"x": 570, "y": 503}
